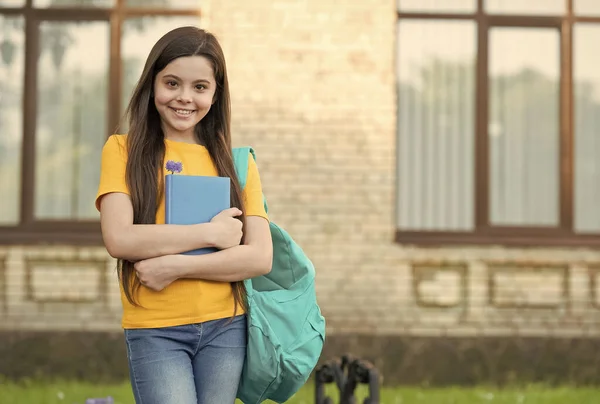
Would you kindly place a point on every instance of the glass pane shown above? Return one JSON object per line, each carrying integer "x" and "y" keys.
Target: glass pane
{"x": 11, "y": 3}
{"x": 524, "y": 126}
{"x": 436, "y": 95}
{"x": 586, "y": 92}
{"x": 138, "y": 37}
{"x": 71, "y": 121}
{"x": 11, "y": 117}
{"x": 589, "y": 7}
{"x": 542, "y": 7}
{"x": 73, "y": 3}
{"x": 184, "y": 4}
{"x": 438, "y": 6}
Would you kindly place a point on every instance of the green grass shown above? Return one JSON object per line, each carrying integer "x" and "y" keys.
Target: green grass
{"x": 76, "y": 393}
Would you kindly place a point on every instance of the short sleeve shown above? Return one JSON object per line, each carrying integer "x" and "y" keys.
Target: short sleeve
{"x": 252, "y": 194}
{"x": 112, "y": 170}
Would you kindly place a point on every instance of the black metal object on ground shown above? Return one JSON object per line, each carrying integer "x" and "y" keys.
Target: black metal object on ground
{"x": 347, "y": 373}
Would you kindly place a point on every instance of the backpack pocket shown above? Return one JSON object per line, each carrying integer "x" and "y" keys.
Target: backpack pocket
{"x": 261, "y": 367}
{"x": 300, "y": 359}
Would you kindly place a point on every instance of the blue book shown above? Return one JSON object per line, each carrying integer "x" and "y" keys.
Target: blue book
{"x": 193, "y": 199}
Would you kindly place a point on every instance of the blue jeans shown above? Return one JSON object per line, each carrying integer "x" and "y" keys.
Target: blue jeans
{"x": 189, "y": 364}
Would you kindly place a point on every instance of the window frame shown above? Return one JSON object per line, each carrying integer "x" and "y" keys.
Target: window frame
{"x": 484, "y": 233}
{"x": 29, "y": 230}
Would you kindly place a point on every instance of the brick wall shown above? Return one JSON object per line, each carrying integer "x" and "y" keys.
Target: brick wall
{"x": 313, "y": 90}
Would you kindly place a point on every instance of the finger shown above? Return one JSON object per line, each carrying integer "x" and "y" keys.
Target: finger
{"x": 233, "y": 212}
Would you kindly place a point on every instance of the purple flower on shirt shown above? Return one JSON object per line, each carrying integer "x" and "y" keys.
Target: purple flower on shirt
{"x": 174, "y": 166}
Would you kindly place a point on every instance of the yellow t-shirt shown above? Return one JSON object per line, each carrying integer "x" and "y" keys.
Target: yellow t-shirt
{"x": 185, "y": 301}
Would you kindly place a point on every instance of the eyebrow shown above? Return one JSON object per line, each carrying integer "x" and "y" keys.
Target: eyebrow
{"x": 178, "y": 79}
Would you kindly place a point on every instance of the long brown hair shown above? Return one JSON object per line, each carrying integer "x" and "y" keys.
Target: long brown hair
{"x": 146, "y": 146}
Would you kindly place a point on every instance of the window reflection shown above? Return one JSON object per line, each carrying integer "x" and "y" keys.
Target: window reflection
{"x": 12, "y": 3}
{"x": 541, "y": 7}
{"x": 11, "y": 117}
{"x": 587, "y": 7}
{"x": 586, "y": 93}
{"x": 71, "y": 117}
{"x": 436, "y": 95}
{"x": 524, "y": 126}
{"x": 73, "y": 3}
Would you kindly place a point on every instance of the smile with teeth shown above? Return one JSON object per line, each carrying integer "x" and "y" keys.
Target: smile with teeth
{"x": 183, "y": 112}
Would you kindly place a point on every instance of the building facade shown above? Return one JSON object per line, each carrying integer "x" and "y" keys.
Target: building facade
{"x": 436, "y": 160}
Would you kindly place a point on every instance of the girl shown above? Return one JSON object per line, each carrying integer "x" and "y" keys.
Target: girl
{"x": 183, "y": 315}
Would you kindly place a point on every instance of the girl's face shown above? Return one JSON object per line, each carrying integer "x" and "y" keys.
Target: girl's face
{"x": 183, "y": 94}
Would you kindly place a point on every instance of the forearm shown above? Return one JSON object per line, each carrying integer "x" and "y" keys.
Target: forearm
{"x": 143, "y": 241}
{"x": 230, "y": 265}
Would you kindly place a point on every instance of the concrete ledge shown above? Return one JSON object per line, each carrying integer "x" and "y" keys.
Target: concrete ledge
{"x": 97, "y": 357}
{"x": 444, "y": 361}
{"x": 101, "y": 357}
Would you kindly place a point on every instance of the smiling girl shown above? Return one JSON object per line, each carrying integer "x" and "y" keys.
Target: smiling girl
{"x": 183, "y": 315}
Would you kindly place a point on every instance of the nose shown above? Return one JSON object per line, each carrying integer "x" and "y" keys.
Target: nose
{"x": 185, "y": 96}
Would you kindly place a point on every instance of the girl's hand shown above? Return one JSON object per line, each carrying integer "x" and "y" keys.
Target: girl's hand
{"x": 156, "y": 273}
{"x": 226, "y": 229}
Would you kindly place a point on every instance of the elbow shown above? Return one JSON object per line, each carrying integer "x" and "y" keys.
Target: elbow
{"x": 266, "y": 263}
{"x": 115, "y": 246}
{"x": 113, "y": 249}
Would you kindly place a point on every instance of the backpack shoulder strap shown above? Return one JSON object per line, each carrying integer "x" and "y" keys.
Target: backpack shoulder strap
{"x": 240, "y": 160}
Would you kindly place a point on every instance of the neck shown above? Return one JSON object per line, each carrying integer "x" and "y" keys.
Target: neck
{"x": 183, "y": 137}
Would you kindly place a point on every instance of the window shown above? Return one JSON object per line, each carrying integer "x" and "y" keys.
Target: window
{"x": 67, "y": 69}
{"x": 498, "y": 122}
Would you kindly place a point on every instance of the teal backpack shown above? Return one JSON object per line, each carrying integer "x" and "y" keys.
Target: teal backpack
{"x": 286, "y": 330}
